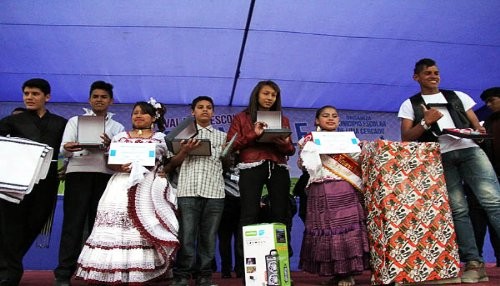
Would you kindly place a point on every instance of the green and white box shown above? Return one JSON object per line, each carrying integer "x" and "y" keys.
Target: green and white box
{"x": 265, "y": 250}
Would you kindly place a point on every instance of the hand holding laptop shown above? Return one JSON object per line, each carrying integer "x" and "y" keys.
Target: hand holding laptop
{"x": 268, "y": 127}
{"x": 188, "y": 145}
{"x": 90, "y": 130}
{"x": 72, "y": 147}
{"x": 259, "y": 127}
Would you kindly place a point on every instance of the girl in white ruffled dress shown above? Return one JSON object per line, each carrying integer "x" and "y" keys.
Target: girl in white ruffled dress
{"x": 134, "y": 239}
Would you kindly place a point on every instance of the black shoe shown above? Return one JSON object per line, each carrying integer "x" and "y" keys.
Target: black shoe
{"x": 62, "y": 282}
{"x": 8, "y": 282}
{"x": 180, "y": 281}
{"x": 225, "y": 275}
{"x": 205, "y": 281}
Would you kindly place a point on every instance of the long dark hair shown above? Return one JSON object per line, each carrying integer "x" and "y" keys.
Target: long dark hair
{"x": 253, "y": 103}
{"x": 156, "y": 113}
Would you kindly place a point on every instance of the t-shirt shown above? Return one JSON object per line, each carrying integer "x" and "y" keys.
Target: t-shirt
{"x": 447, "y": 142}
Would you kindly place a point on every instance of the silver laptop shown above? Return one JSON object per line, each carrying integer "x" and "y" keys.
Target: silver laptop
{"x": 274, "y": 128}
{"x": 89, "y": 131}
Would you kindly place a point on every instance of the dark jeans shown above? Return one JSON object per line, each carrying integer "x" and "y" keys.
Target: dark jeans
{"x": 229, "y": 229}
{"x": 21, "y": 223}
{"x": 82, "y": 193}
{"x": 251, "y": 183}
{"x": 198, "y": 224}
{"x": 481, "y": 224}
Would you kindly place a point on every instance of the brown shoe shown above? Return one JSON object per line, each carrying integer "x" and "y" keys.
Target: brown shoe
{"x": 474, "y": 272}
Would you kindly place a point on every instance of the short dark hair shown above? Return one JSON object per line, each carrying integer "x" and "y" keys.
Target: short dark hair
{"x": 40, "y": 83}
{"x": 490, "y": 92}
{"x": 200, "y": 98}
{"x": 422, "y": 64}
{"x": 102, "y": 85}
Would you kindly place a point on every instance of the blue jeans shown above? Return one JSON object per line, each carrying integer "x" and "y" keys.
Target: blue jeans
{"x": 471, "y": 165}
{"x": 198, "y": 224}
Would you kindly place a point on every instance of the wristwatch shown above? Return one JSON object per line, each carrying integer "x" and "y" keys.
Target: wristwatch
{"x": 426, "y": 127}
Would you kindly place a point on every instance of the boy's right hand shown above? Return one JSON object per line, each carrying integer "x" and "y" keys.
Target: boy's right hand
{"x": 189, "y": 145}
{"x": 72, "y": 147}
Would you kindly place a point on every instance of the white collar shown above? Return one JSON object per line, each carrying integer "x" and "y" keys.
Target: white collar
{"x": 209, "y": 127}
{"x": 90, "y": 112}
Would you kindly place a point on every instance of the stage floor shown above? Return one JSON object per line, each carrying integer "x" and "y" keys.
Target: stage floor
{"x": 300, "y": 278}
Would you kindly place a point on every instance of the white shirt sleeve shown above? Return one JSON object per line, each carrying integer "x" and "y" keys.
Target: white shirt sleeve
{"x": 69, "y": 135}
{"x": 406, "y": 110}
{"x": 467, "y": 101}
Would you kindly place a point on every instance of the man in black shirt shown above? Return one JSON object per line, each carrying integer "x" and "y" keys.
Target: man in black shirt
{"x": 21, "y": 223}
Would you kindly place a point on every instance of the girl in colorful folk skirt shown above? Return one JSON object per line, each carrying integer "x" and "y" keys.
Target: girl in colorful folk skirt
{"x": 134, "y": 238}
{"x": 335, "y": 239}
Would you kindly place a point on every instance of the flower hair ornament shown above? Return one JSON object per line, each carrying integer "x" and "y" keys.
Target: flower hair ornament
{"x": 157, "y": 106}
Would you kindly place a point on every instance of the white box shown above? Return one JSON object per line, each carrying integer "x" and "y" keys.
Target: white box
{"x": 265, "y": 251}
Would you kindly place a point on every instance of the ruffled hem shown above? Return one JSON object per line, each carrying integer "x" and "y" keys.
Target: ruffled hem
{"x": 339, "y": 252}
{"x": 135, "y": 239}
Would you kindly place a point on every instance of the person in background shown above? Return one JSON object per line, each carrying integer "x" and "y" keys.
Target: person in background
{"x": 335, "y": 237}
{"x": 86, "y": 177}
{"x": 299, "y": 190}
{"x": 200, "y": 197}
{"x": 21, "y": 223}
{"x": 266, "y": 216}
{"x": 463, "y": 160}
{"x": 229, "y": 225}
{"x": 261, "y": 163}
{"x": 491, "y": 97}
{"x": 134, "y": 239}
{"x": 491, "y": 147}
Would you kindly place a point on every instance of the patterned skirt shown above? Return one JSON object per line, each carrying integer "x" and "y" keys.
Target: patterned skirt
{"x": 134, "y": 238}
{"x": 335, "y": 237}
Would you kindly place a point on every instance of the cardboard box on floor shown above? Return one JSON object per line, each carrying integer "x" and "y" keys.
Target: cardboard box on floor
{"x": 265, "y": 250}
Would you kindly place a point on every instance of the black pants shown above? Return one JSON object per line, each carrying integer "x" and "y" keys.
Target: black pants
{"x": 82, "y": 193}
{"x": 481, "y": 224}
{"x": 21, "y": 223}
{"x": 300, "y": 191}
{"x": 229, "y": 229}
{"x": 252, "y": 180}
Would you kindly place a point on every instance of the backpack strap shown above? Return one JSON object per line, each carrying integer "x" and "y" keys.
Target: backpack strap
{"x": 429, "y": 135}
{"x": 456, "y": 109}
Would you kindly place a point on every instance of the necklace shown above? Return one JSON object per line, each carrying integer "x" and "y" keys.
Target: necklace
{"x": 140, "y": 131}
